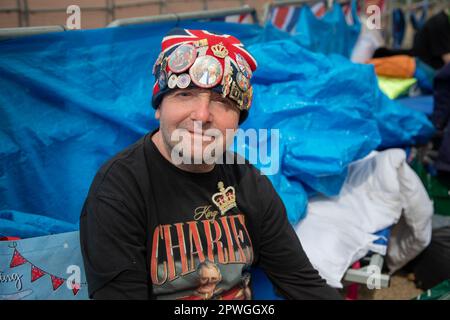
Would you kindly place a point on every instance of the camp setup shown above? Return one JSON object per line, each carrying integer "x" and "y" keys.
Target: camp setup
{"x": 359, "y": 167}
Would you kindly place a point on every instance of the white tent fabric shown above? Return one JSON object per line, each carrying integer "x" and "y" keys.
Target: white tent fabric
{"x": 381, "y": 190}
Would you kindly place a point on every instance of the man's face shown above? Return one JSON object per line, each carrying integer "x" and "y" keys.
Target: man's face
{"x": 201, "y": 115}
{"x": 209, "y": 278}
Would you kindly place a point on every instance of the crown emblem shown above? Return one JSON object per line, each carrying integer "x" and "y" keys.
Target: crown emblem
{"x": 219, "y": 50}
{"x": 225, "y": 199}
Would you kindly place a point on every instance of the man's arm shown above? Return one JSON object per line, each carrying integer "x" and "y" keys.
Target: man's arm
{"x": 283, "y": 258}
{"x": 113, "y": 247}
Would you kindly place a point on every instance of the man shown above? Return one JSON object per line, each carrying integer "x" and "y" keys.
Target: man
{"x": 150, "y": 219}
{"x": 432, "y": 42}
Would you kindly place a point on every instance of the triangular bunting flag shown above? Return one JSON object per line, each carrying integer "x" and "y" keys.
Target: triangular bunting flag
{"x": 75, "y": 288}
{"x": 36, "y": 273}
{"x": 56, "y": 282}
{"x": 17, "y": 259}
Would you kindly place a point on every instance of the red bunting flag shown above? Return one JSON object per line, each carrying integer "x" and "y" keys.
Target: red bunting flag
{"x": 17, "y": 259}
{"x": 75, "y": 288}
{"x": 36, "y": 273}
{"x": 56, "y": 282}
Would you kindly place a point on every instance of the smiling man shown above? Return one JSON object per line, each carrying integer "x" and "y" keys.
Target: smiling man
{"x": 167, "y": 213}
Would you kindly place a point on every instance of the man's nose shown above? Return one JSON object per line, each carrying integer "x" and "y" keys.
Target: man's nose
{"x": 202, "y": 110}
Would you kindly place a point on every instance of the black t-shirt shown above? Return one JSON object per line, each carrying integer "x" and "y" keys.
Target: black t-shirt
{"x": 433, "y": 40}
{"x": 150, "y": 230}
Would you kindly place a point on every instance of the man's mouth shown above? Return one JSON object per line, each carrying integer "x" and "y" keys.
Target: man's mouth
{"x": 201, "y": 136}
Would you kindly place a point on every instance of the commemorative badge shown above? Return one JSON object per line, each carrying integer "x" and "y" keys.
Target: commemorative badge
{"x": 227, "y": 76}
{"x": 173, "y": 79}
{"x": 243, "y": 66}
{"x": 182, "y": 58}
{"x": 183, "y": 81}
{"x": 162, "y": 80}
{"x": 158, "y": 61}
{"x": 242, "y": 81}
{"x": 236, "y": 95}
{"x": 206, "y": 72}
{"x": 247, "y": 99}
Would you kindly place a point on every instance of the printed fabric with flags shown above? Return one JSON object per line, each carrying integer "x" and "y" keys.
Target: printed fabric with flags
{"x": 287, "y": 17}
{"x": 42, "y": 268}
{"x": 284, "y": 17}
{"x": 319, "y": 9}
{"x": 245, "y": 18}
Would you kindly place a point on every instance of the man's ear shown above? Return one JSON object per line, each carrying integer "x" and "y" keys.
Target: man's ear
{"x": 157, "y": 114}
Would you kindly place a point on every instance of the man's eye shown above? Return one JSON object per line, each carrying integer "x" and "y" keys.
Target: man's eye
{"x": 184, "y": 94}
{"x": 224, "y": 102}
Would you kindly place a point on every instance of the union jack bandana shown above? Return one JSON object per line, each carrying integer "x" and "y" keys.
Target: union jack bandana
{"x": 199, "y": 58}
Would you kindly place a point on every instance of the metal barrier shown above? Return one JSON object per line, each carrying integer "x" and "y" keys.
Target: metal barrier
{"x": 9, "y": 33}
{"x": 196, "y": 15}
{"x": 275, "y": 4}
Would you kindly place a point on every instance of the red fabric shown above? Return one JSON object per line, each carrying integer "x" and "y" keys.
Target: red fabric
{"x": 352, "y": 291}
{"x": 9, "y": 238}
{"x": 281, "y": 16}
{"x": 36, "y": 273}
{"x": 17, "y": 259}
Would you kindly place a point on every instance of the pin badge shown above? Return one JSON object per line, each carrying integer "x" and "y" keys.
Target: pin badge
{"x": 182, "y": 58}
{"x": 158, "y": 61}
{"x": 183, "y": 81}
{"x": 236, "y": 95}
{"x": 206, "y": 72}
{"x": 162, "y": 80}
{"x": 242, "y": 81}
{"x": 173, "y": 79}
{"x": 244, "y": 66}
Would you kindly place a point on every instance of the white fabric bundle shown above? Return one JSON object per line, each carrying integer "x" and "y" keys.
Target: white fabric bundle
{"x": 338, "y": 231}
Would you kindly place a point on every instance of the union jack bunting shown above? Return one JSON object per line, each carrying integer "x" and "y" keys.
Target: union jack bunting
{"x": 285, "y": 17}
{"x": 245, "y": 18}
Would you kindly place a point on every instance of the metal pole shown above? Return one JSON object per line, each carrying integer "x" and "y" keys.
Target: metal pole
{"x": 26, "y": 13}
{"x": 9, "y": 33}
{"x": 196, "y": 15}
{"x": 19, "y": 12}
{"x": 113, "y": 12}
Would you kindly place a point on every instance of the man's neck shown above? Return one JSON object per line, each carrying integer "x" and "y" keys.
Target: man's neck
{"x": 165, "y": 152}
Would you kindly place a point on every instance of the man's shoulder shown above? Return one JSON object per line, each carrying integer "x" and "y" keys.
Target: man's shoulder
{"x": 123, "y": 166}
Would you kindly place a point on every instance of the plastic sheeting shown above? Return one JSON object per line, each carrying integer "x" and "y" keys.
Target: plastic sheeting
{"x": 330, "y": 33}
{"x": 71, "y": 100}
{"x": 330, "y": 112}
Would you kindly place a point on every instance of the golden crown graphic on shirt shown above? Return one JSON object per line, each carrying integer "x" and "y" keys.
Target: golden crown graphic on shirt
{"x": 225, "y": 199}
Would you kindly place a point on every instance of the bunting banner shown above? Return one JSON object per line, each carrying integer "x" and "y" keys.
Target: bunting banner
{"x": 245, "y": 18}
{"x": 49, "y": 267}
{"x": 287, "y": 17}
{"x": 319, "y": 9}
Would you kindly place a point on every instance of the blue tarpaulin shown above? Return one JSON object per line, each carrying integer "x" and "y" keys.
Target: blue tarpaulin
{"x": 71, "y": 100}
{"x": 329, "y": 34}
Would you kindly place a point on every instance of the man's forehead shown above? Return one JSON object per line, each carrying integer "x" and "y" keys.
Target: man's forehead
{"x": 200, "y": 91}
